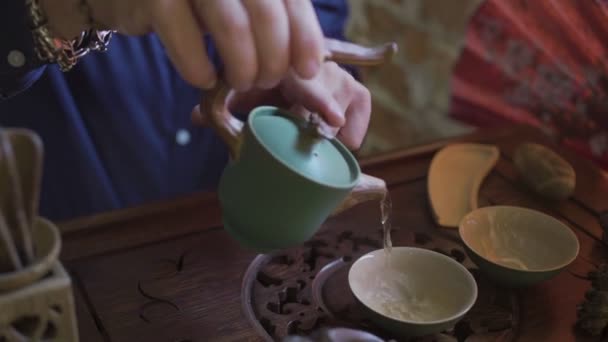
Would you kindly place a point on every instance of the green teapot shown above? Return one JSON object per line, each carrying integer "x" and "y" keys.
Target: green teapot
{"x": 284, "y": 177}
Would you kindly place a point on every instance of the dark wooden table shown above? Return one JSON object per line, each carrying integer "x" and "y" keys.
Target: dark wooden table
{"x": 168, "y": 271}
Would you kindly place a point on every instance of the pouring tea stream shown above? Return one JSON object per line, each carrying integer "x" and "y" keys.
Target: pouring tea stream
{"x": 285, "y": 176}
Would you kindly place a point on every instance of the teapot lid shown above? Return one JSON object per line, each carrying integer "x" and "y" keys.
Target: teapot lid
{"x": 322, "y": 160}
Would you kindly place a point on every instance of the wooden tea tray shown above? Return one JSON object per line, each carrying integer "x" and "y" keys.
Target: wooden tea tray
{"x": 302, "y": 289}
{"x": 169, "y": 272}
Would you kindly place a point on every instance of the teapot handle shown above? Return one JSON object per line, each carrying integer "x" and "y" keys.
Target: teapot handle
{"x": 214, "y": 111}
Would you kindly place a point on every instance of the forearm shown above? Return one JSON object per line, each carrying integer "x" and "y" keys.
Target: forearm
{"x": 66, "y": 18}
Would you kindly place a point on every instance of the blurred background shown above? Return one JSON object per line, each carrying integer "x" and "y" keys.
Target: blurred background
{"x": 411, "y": 95}
{"x": 486, "y": 63}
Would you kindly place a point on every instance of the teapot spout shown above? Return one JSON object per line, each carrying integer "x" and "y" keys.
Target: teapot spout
{"x": 368, "y": 189}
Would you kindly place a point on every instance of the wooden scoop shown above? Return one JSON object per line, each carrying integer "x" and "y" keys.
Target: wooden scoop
{"x": 353, "y": 54}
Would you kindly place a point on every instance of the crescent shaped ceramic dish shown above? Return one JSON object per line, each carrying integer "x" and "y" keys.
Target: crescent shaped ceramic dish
{"x": 455, "y": 175}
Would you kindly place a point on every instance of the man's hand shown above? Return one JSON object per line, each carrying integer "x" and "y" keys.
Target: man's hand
{"x": 259, "y": 41}
{"x": 271, "y": 49}
{"x": 334, "y": 94}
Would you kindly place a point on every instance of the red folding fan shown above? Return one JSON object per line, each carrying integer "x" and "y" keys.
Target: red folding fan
{"x": 538, "y": 62}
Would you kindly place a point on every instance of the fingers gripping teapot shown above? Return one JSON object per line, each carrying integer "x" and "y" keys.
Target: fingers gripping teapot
{"x": 284, "y": 178}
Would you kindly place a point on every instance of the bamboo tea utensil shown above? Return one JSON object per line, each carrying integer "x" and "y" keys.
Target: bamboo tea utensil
{"x": 28, "y": 151}
{"x": 9, "y": 257}
{"x": 11, "y": 201}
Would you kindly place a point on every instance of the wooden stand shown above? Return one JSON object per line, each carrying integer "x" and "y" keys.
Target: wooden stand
{"x": 41, "y": 311}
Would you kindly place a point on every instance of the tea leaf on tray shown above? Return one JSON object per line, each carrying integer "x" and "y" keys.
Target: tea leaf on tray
{"x": 592, "y": 314}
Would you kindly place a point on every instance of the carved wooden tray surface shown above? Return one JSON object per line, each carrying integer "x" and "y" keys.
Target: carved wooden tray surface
{"x": 299, "y": 290}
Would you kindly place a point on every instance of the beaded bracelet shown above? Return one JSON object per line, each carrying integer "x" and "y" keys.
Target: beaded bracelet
{"x": 65, "y": 53}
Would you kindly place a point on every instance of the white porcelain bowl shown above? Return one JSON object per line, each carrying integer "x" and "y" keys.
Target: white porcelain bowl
{"x": 419, "y": 292}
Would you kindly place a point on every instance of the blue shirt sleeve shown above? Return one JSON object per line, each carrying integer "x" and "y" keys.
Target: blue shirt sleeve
{"x": 19, "y": 65}
{"x": 20, "y": 68}
{"x": 332, "y": 15}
